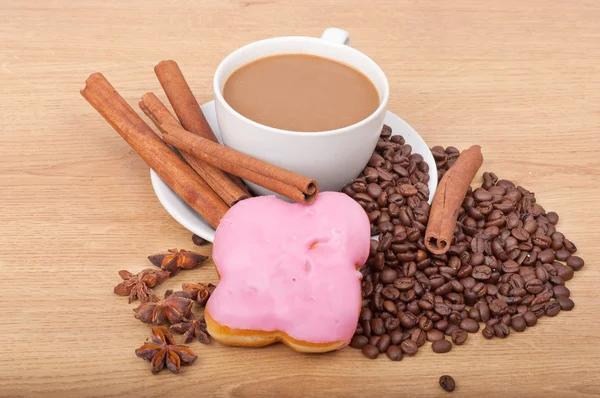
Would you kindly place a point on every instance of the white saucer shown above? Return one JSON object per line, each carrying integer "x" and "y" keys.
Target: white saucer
{"x": 192, "y": 221}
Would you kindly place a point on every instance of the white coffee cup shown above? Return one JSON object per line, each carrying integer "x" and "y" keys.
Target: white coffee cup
{"x": 332, "y": 157}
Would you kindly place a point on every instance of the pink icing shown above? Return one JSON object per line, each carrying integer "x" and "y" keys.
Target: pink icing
{"x": 274, "y": 279}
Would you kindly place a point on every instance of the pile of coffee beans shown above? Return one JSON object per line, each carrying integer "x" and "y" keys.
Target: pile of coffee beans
{"x": 506, "y": 268}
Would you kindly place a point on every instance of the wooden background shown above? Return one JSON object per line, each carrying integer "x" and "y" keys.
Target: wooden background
{"x": 519, "y": 77}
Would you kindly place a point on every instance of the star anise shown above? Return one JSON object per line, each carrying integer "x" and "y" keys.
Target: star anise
{"x": 199, "y": 292}
{"x": 191, "y": 328}
{"x": 174, "y": 308}
{"x": 139, "y": 285}
{"x": 163, "y": 350}
{"x": 175, "y": 260}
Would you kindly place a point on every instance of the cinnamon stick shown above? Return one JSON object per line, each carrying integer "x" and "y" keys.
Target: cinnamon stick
{"x": 170, "y": 167}
{"x": 215, "y": 178}
{"x": 186, "y": 106}
{"x": 448, "y": 199}
{"x": 284, "y": 182}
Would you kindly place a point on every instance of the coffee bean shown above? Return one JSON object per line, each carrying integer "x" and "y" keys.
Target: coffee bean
{"x": 366, "y": 325}
{"x": 450, "y": 329}
{"x": 562, "y": 255}
{"x": 441, "y": 346}
{"x": 379, "y": 261}
{"x": 447, "y": 383}
{"x": 501, "y": 330}
{"x": 376, "y": 160}
{"x": 561, "y": 291}
{"x": 374, "y": 190}
{"x": 477, "y": 245}
{"x": 442, "y": 309}
{"x": 454, "y": 318}
{"x": 374, "y": 247}
{"x": 408, "y": 190}
{"x": 359, "y": 341}
{"x": 409, "y": 320}
{"x": 575, "y": 262}
{"x": 444, "y": 289}
{"x": 425, "y": 324}
{"x": 474, "y": 313}
{"x": 434, "y": 335}
{"x": 566, "y": 304}
{"x": 512, "y": 220}
{"x": 552, "y": 217}
{"x": 409, "y": 347}
{"x": 370, "y": 175}
{"x": 557, "y": 244}
{"x": 482, "y": 272}
{"x": 468, "y": 283}
{"x": 384, "y": 343}
{"x": 538, "y": 309}
{"x": 370, "y": 351}
{"x": 553, "y": 308}
{"x": 198, "y": 241}
{"x": 482, "y": 195}
{"x": 469, "y": 325}
{"x": 377, "y": 300}
{"x": 542, "y": 241}
{"x": 488, "y": 332}
{"x": 391, "y": 323}
{"x": 385, "y": 227}
{"x": 459, "y": 336}
{"x": 505, "y": 319}
{"x": 404, "y": 284}
{"x": 419, "y": 337}
{"x": 521, "y": 309}
{"x": 542, "y": 298}
{"x": 388, "y": 276}
{"x": 396, "y": 337}
{"x": 384, "y": 245}
{"x": 510, "y": 266}
{"x": 518, "y": 323}
{"x": 570, "y": 246}
{"x": 390, "y": 307}
{"x": 365, "y": 314}
{"x": 359, "y": 330}
{"x": 439, "y": 153}
{"x": 377, "y": 326}
{"x": 394, "y": 353}
{"x": 505, "y": 206}
{"x": 484, "y": 310}
{"x": 441, "y": 325}
{"x": 390, "y": 293}
{"x": 564, "y": 271}
{"x": 541, "y": 273}
{"x": 546, "y": 256}
{"x": 530, "y": 226}
{"x": 498, "y": 307}
{"x": 520, "y": 234}
{"x": 534, "y": 286}
{"x": 373, "y": 340}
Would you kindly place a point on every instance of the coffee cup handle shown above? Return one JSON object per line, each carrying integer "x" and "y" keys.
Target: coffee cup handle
{"x": 336, "y": 35}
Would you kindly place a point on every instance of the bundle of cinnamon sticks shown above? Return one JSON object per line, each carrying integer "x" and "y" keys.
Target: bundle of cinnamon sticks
{"x": 208, "y": 176}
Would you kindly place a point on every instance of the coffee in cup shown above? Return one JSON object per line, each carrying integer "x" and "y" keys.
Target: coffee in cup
{"x": 301, "y": 92}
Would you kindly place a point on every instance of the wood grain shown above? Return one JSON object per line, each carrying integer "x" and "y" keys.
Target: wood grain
{"x": 520, "y": 78}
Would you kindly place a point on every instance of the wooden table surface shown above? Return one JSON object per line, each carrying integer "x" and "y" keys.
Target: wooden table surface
{"x": 521, "y": 78}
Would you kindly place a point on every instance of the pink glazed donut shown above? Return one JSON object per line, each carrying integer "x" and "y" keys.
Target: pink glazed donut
{"x": 289, "y": 273}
